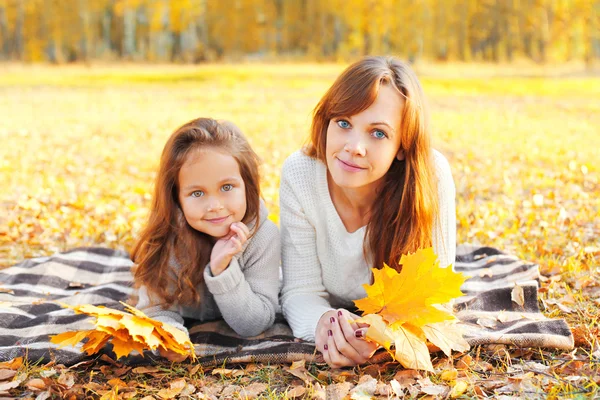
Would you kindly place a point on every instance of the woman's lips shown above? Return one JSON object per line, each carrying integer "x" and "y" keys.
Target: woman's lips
{"x": 348, "y": 166}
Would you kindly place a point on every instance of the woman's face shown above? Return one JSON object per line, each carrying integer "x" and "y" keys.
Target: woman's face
{"x": 361, "y": 148}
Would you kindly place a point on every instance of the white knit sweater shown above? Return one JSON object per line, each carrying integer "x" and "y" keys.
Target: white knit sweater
{"x": 323, "y": 265}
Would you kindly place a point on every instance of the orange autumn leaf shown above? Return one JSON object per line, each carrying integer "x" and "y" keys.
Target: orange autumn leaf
{"x": 405, "y": 309}
{"x": 127, "y": 331}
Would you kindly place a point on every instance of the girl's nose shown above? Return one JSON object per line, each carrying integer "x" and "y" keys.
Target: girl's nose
{"x": 214, "y": 205}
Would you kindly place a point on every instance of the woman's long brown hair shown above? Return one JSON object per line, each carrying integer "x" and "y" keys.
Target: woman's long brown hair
{"x": 167, "y": 235}
{"x": 403, "y": 214}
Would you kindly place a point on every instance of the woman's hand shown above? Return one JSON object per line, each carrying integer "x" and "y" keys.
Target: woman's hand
{"x": 341, "y": 340}
{"x": 227, "y": 247}
{"x": 171, "y": 355}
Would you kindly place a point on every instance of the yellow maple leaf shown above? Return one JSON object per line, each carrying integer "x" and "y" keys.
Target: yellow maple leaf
{"x": 69, "y": 338}
{"x": 411, "y": 348}
{"x": 127, "y": 331}
{"x": 405, "y": 309}
{"x": 447, "y": 336}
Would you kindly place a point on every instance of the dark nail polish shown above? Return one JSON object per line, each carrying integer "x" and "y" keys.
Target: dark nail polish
{"x": 330, "y": 333}
{"x": 339, "y": 313}
{"x": 325, "y": 347}
{"x": 358, "y": 333}
{"x": 332, "y": 320}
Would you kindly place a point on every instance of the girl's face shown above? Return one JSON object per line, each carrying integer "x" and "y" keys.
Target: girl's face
{"x": 361, "y": 148}
{"x": 212, "y": 193}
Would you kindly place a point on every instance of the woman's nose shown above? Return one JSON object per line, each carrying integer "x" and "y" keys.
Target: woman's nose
{"x": 354, "y": 145}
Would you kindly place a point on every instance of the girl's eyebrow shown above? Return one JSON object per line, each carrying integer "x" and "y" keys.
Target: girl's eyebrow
{"x": 229, "y": 179}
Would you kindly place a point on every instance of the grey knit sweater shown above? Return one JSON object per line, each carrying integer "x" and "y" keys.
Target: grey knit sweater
{"x": 245, "y": 295}
{"x": 323, "y": 264}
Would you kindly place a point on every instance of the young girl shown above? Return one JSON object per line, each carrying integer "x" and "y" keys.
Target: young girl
{"x": 208, "y": 250}
{"x": 366, "y": 190}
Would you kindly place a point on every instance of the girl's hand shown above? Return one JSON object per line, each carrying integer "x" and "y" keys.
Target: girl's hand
{"x": 341, "y": 341}
{"x": 171, "y": 355}
{"x": 228, "y": 246}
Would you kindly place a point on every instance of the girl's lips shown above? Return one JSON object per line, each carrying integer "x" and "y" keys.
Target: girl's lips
{"x": 217, "y": 220}
{"x": 349, "y": 166}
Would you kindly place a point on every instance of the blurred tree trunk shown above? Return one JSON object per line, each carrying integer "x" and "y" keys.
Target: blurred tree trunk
{"x": 19, "y": 39}
{"x": 279, "y": 26}
{"x": 106, "y": 23}
{"x": 508, "y": 32}
{"x": 84, "y": 41}
{"x": 128, "y": 44}
{"x": 525, "y": 27}
{"x": 461, "y": 30}
{"x": 5, "y": 44}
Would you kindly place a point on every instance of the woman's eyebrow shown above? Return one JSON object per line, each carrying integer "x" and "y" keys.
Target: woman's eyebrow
{"x": 383, "y": 123}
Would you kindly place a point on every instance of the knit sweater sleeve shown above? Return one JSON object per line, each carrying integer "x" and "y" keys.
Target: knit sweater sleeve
{"x": 304, "y": 297}
{"x": 246, "y": 292}
{"x": 444, "y": 228}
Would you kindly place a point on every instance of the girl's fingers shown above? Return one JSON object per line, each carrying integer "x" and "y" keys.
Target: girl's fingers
{"x": 241, "y": 234}
{"x": 237, "y": 244}
{"x": 244, "y": 228}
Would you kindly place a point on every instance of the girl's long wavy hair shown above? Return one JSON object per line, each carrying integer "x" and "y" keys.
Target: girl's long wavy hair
{"x": 167, "y": 234}
{"x": 406, "y": 206}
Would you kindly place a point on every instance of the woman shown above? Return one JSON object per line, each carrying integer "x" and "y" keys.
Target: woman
{"x": 367, "y": 189}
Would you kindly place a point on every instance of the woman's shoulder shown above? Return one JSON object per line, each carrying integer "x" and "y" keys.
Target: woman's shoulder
{"x": 298, "y": 166}
{"x": 442, "y": 165}
{"x": 444, "y": 174}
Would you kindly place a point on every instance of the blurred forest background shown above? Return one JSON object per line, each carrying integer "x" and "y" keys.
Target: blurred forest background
{"x": 191, "y": 31}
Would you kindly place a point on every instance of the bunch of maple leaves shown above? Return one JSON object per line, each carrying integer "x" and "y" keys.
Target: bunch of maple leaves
{"x": 127, "y": 331}
{"x": 406, "y": 309}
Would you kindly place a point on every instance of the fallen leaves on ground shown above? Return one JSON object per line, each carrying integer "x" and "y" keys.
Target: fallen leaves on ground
{"x": 404, "y": 309}
{"x": 126, "y": 331}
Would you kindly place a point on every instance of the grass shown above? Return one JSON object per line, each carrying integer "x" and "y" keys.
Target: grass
{"x": 80, "y": 147}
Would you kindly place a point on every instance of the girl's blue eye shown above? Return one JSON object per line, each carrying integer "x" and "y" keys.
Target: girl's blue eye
{"x": 197, "y": 193}
{"x": 379, "y": 134}
{"x": 343, "y": 124}
{"x": 227, "y": 188}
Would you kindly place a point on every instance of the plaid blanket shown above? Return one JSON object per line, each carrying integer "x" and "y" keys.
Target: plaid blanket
{"x": 100, "y": 276}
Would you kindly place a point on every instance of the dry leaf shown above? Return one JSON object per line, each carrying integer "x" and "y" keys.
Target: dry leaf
{"x": 127, "y": 331}
{"x": 6, "y": 374}
{"x": 228, "y": 372}
{"x": 517, "y": 295}
{"x": 147, "y": 370}
{"x": 404, "y": 309}
{"x": 458, "y": 389}
{"x": 253, "y": 390}
{"x": 299, "y": 370}
{"x": 296, "y": 391}
{"x": 365, "y": 389}
{"x": 13, "y": 364}
{"x": 36, "y": 384}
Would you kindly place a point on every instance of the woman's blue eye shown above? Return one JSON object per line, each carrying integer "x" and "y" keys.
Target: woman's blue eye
{"x": 227, "y": 188}
{"x": 379, "y": 134}
{"x": 343, "y": 124}
{"x": 197, "y": 193}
